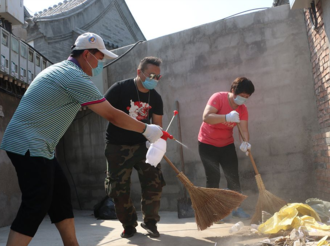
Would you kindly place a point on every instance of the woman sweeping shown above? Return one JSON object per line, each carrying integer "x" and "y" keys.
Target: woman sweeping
{"x": 215, "y": 139}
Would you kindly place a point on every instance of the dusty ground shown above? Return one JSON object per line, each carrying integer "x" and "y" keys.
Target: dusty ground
{"x": 174, "y": 232}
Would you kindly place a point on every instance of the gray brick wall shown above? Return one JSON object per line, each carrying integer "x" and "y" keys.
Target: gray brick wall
{"x": 10, "y": 194}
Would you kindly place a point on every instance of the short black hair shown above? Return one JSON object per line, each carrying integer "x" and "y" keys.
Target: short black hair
{"x": 149, "y": 60}
{"x": 77, "y": 53}
{"x": 242, "y": 85}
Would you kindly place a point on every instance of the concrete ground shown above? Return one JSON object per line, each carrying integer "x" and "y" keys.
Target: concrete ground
{"x": 174, "y": 232}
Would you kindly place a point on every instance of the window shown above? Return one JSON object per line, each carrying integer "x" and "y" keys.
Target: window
{"x": 38, "y": 61}
{"x": 23, "y": 72}
{"x": 13, "y": 67}
{"x": 14, "y": 45}
{"x": 4, "y": 39}
{"x": 3, "y": 61}
{"x": 30, "y": 56}
{"x": 30, "y": 76}
{"x": 44, "y": 64}
{"x": 23, "y": 51}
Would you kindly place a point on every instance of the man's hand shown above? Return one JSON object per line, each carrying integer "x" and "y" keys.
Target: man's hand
{"x": 152, "y": 132}
{"x": 233, "y": 116}
{"x": 245, "y": 146}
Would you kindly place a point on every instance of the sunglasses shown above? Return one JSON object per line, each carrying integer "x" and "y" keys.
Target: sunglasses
{"x": 153, "y": 76}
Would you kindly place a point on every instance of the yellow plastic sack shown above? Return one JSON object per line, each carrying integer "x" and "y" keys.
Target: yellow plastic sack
{"x": 291, "y": 217}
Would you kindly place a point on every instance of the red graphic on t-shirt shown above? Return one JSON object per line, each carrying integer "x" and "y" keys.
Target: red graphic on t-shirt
{"x": 229, "y": 124}
{"x": 138, "y": 110}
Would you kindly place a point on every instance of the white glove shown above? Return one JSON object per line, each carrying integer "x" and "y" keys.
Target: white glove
{"x": 153, "y": 132}
{"x": 245, "y": 146}
{"x": 233, "y": 116}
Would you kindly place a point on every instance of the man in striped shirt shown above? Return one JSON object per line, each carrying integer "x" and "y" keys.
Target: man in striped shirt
{"x": 44, "y": 114}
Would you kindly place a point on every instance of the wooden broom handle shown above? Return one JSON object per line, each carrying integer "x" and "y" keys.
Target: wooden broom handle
{"x": 181, "y": 148}
{"x": 171, "y": 164}
{"x": 180, "y": 137}
{"x": 250, "y": 155}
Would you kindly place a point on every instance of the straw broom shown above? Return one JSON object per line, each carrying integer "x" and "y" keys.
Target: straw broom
{"x": 210, "y": 204}
{"x": 266, "y": 200}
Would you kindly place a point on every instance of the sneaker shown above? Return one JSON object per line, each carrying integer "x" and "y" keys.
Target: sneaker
{"x": 241, "y": 214}
{"x": 129, "y": 231}
{"x": 151, "y": 229}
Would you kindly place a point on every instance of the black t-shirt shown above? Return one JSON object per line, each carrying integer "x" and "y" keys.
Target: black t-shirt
{"x": 124, "y": 96}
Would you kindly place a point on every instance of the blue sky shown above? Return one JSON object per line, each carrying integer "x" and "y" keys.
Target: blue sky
{"x": 157, "y": 18}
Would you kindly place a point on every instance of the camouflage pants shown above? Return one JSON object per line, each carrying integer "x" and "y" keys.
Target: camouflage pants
{"x": 121, "y": 161}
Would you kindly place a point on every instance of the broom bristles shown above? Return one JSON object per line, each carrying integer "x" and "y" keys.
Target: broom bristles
{"x": 210, "y": 204}
{"x": 266, "y": 202}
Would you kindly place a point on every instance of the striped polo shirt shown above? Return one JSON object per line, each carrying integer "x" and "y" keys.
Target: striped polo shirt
{"x": 47, "y": 109}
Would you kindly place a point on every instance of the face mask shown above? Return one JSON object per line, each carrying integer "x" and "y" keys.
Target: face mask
{"x": 149, "y": 83}
{"x": 239, "y": 100}
{"x": 96, "y": 71}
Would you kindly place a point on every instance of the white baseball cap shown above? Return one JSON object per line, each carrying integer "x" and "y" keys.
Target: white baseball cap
{"x": 91, "y": 40}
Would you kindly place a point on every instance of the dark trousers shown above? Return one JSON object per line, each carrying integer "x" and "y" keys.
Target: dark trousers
{"x": 121, "y": 160}
{"x": 212, "y": 157}
{"x": 44, "y": 188}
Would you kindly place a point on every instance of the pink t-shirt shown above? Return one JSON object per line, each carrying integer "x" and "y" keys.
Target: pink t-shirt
{"x": 221, "y": 134}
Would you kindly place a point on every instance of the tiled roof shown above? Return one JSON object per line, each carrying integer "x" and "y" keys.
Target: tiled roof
{"x": 59, "y": 8}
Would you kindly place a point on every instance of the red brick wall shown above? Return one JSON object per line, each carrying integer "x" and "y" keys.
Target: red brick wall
{"x": 319, "y": 49}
